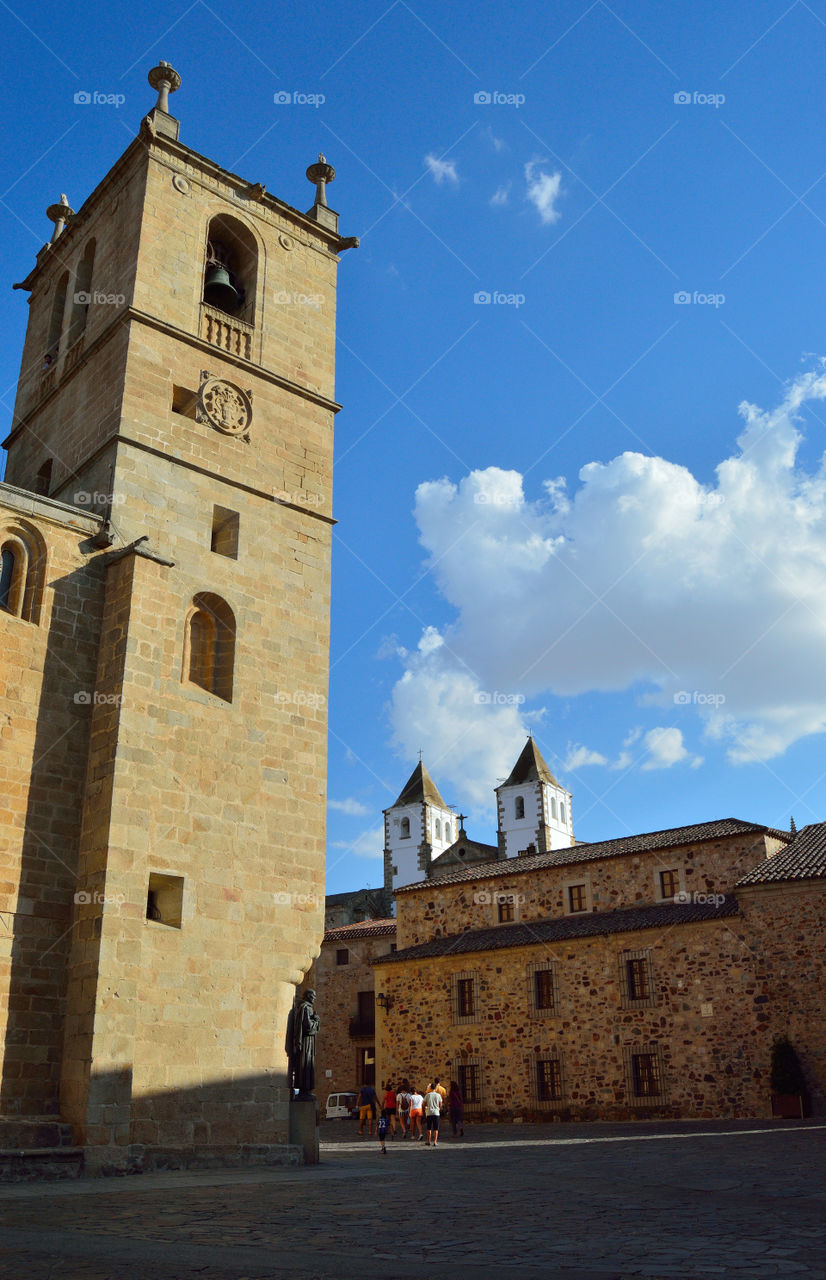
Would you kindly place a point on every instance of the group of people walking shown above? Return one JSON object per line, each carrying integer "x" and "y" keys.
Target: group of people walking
{"x": 416, "y": 1115}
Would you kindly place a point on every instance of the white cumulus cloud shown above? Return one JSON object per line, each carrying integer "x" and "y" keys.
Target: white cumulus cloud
{"x": 543, "y": 191}
{"x": 665, "y": 748}
{"x": 579, "y": 757}
{"x": 442, "y": 170}
{"x": 707, "y": 601}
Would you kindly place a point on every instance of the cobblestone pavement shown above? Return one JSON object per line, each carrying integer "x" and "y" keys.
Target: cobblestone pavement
{"x": 595, "y": 1202}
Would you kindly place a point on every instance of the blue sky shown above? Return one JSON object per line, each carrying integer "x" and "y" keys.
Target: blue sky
{"x": 546, "y": 520}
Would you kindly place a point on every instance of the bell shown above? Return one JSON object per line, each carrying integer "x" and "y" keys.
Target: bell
{"x": 219, "y": 291}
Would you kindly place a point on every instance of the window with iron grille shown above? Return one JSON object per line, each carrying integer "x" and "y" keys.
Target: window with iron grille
{"x": 636, "y": 977}
{"x": 465, "y": 997}
{"x": 342, "y": 956}
{"x": 468, "y": 1076}
{"x": 549, "y": 1080}
{"x": 669, "y": 883}
{"x": 577, "y": 897}
{"x": 543, "y": 993}
{"x": 645, "y": 1074}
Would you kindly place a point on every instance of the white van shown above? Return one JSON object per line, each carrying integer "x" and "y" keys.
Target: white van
{"x": 341, "y": 1105}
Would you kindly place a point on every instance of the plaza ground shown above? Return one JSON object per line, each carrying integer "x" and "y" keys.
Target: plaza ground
{"x": 591, "y": 1201}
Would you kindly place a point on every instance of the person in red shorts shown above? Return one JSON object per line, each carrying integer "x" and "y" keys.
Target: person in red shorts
{"x": 388, "y": 1107}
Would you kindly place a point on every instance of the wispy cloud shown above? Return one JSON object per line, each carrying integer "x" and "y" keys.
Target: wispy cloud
{"x": 501, "y": 195}
{"x": 442, "y": 170}
{"x": 544, "y": 189}
{"x": 354, "y": 808}
{"x": 498, "y": 144}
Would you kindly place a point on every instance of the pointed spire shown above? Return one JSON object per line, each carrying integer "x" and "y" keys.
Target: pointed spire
{"x": 792, "y": 828}
{"x": 530, "y": 767}
{"x": 420, "y": 787}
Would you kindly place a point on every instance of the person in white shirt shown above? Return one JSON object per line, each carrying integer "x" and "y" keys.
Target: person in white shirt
{"x": 416, "y": 1105}
{"x": 433, "y": 1110}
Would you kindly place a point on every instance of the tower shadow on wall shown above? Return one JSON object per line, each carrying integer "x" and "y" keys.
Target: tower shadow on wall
{"x": 42, "y": 924}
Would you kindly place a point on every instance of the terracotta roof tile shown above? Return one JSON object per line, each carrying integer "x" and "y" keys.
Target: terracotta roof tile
{"x": 361, "y": 929}
{"x": 568, "y": 928}
{"x": 803, "y": 859}
{"x": 647, "y": 841}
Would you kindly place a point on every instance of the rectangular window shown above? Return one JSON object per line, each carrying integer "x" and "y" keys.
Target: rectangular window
{"x": 544, "y": 982}
{"x": 468, "y": 1079}
{"x": 638, "y": 987}
{"x": 506, "y": 908}
{"x": 342, "y": 956}
{"x": 465, "y": 997}
{"x": 549, "y": 1079}
{"x": 577, "y": 898}
{"x": 543, "y": 991}
{"x": 225, "y": 525}
{"x": 184, "y": 402}
{"x": 165, "y": 900}
{"x": 636, "y": 979}
{"x": 669, "y": 883}
{"x": 645, "y": 1075}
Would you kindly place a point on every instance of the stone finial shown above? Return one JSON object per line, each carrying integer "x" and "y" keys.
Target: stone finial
{"x": 320, "y": 174}
{"x": 166, "y": 80}
{"x": 59, "y": 214}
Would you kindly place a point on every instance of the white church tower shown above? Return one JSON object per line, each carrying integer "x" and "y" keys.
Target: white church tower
{"x": 534, "y": 810}
{"x": 417, "y": 828}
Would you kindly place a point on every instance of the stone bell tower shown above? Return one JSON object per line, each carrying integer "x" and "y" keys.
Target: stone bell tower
{"x": 165, "y": 533}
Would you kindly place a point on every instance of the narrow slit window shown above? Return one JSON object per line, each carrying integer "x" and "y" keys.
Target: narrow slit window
{"x": 8, "y": 567}
{"x": 225, "y": 527}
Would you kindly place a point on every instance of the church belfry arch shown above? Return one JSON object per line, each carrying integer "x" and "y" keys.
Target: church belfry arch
{"x": 231, "y": 268}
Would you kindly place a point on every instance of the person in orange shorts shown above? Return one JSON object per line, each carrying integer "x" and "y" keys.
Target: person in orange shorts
{"x": 416, "y": 1108}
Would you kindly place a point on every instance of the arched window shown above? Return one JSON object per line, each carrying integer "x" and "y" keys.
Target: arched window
{"x": 209, "y": 654}
{"x": 553, "y": 807}
{"x": 22, "y": 572}
{"x": 562, "y": 813}
{"x": 8, "y": 572}
{"x": 231, "y": 268}
{"x": 438, "y": 829}
{"x": 447, "y": 831}
{"x": 519, "y": 807}
{"x": 82, "y": 295}
{"x": 56, "y": 320}
{"x": 405, "y": 828}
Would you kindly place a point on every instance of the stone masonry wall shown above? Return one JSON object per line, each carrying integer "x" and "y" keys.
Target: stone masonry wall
{"x": 706, "y": 867}
{"x": 337, "y": 987}
{"x": 703, "y": 1022}
{"x": 48, "y": 675}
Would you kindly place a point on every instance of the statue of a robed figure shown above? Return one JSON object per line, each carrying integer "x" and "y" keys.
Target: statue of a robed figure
{"x": 306, "y": 1023}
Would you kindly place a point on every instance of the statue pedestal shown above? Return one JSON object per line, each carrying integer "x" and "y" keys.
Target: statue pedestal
{"x": 304, "y": 1127}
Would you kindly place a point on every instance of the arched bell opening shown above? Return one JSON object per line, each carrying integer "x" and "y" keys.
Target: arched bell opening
{"x": 230, "y": 268}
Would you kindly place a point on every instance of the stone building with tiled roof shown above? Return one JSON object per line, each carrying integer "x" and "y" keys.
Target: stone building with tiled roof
{"x": 343, "y": 979}
{"x": 646, "y": 975}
